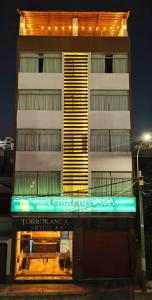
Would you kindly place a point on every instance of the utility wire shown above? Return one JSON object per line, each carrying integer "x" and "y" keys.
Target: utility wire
{"x": 90, "y": 188}
{"x": 111, "y": 197}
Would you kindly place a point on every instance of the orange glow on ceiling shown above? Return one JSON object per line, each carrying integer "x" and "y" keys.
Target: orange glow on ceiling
{"x": 57, "y": 23}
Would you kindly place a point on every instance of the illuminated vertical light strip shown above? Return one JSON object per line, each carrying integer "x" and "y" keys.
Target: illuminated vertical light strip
{"x": 75, "y": 160}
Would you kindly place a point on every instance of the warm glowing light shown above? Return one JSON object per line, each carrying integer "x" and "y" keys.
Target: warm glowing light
{"x": 90, "y": 28}
{"x": 104, "y": 28}
{"x": 56, "y": 28}
{"x": 147, "y": 137}
{"x": 97, "y": 28}
{"x": 111, "y": 28}
{"x": 42, "y": 27}
{"x": 69, "y": 27}
{"x": 49, "y": 28}
{"x": 82, "y": 27}
{"x": 62, "y": 27}
{"x": 118, "y": 27}
{"x": 28, "y": 25}
{"x": 76, "y": 27}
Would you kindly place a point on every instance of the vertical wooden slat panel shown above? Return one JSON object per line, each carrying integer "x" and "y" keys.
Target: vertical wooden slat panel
{"x": 75, "y": 161}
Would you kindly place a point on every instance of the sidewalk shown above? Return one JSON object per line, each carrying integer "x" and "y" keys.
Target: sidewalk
{"x": 107, "y": 290}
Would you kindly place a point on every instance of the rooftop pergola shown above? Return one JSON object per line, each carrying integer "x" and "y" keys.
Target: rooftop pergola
{"x": 63, "y": 23}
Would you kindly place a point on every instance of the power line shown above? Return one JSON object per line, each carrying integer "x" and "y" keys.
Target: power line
{"x": 90, "y": 188}
{"x": 111, "y": 197}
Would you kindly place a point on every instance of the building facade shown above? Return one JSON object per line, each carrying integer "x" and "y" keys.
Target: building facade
{"x": 73, "y": 207}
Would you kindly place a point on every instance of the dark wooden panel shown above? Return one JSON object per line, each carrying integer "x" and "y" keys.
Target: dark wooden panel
{"x": 72, "y": 44}
{"x": 106, "y": 254}
{"x": 3, "y": 259}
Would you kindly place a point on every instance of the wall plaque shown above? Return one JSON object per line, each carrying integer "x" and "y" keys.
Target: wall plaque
{"x": 43, "y": 224}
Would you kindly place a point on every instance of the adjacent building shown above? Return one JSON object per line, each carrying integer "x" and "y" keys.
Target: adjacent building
{"x": 73, "y": 208}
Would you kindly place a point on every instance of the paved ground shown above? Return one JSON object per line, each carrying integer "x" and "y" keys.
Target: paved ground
{"x": 105, "y": 290}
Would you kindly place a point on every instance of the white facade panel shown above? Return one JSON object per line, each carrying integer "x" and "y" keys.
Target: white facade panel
{"x": 109, "y": 120}
{"x": 36, "y": 119}
{"x": 39, "y": 161}
{"x": 109, "y": 81}
{"x": 40, "y": 81}
{"x": 109, "y": 161}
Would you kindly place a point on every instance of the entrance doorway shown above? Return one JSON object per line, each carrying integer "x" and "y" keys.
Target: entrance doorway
{"x": 44, "y": 255}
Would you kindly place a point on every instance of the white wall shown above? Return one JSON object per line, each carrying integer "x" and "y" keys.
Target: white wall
{"x": 40, "y": 80}
{"x": 109, "y": 120}
{"x": 109, "y": 81}
{"x": 38, "y": 161}
{"x": 39, "y": 119}
{"x": 110, "y": 161}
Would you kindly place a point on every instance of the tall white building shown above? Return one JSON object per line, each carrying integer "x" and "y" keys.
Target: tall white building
{"x": 73, "y": 207}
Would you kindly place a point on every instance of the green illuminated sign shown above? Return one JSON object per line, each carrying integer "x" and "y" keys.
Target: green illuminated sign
{"x": 66, "y": 204}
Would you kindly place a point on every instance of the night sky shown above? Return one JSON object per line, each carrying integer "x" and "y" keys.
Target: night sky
{"x": 140, "y": 30}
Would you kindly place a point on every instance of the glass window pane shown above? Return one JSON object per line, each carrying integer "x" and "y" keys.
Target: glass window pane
{"x": 105, "y": 100}
{"x": 97, "y": 63}
{"x": 28, "y": 62}
{"x": 39, "y": 100}
{"x": 99, "y": 140}
{"x": 49, "y": 183}
{"x": 120, "y": 63}
{"x": 39, "y": 140}
{"x": 25, "y": 183}
{"x": 120, "y": 140}
{"x": 100, "y": 183}
{"x": 122, "y": 183}
{"x": 52, "y": 62}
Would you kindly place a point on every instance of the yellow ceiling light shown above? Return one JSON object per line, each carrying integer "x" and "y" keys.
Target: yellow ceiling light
{"x": 42, "y": 27}
{"x": 56, "y": 28}
{"x": 90, "y": 28}
{"x": 49, "y": 28}
{"x": 104, "y": 28}
{"x": 63, "y": 28}
{"x": 34, "y": 20}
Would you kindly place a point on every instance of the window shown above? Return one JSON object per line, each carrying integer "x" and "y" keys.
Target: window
{"x": 108, "y": 100}
{"x": 29, "y": 62}
{"x": 52, "y": 62}
{"x": 39, "y": 100}
{"x": 111, "y": 183}
{"x": 109, "y": 140}
{"x": 97, "y": 63}
{"x": 38, "y": 140}
{"x": 41, "y": 62}
{"x": 44, "y": 253}
{"x": 37, "y": 183}
{"x": 109, "y": 63}
{"x": 120, "y": 63}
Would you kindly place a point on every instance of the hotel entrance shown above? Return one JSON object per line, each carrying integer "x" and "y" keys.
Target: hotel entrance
{"x": 44, "y": 255}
